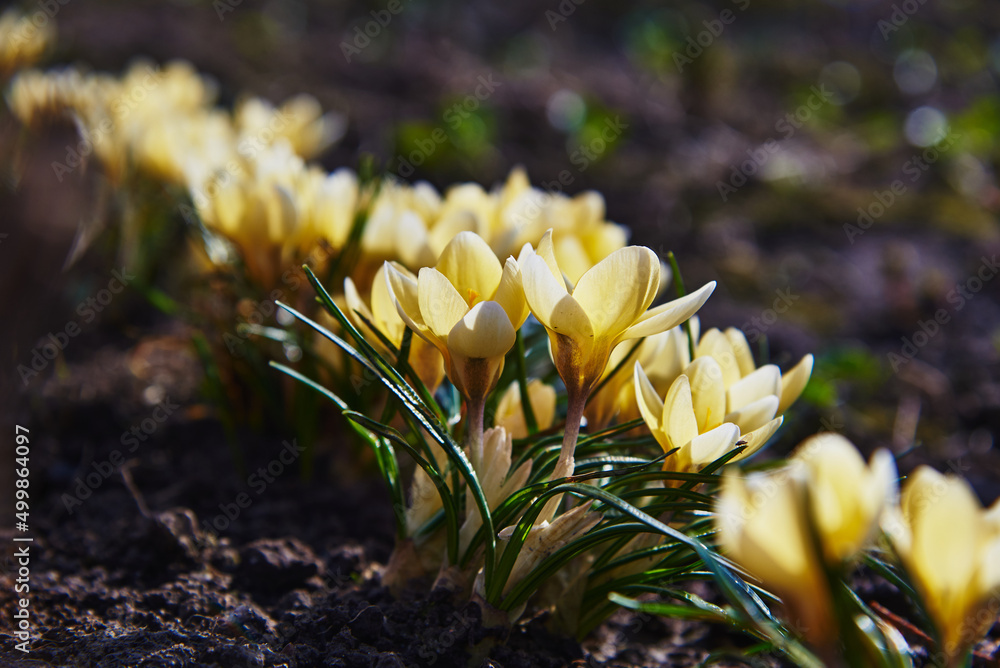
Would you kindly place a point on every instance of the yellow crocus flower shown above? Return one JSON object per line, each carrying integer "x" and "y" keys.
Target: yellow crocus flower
{"x": 610, "y": 304}
{"x": 950, "y": 547}
{"x": 693, "y": 418}
{"x": 469, "y": 307}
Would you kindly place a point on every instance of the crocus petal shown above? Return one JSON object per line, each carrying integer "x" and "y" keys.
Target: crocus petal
{"x": 357, "y": 309}
{"x": 707, "y": 391}
{"x": 755, "y": 414}
{"x": 616, "y": 291}
{"x": 741, "y": 349}
{"x": 546, "y": 251}
{"x": 650, "y": 404}
{"x": 440, "y": 304}
{"x": 383, "y": 310}
{"x": 706, "y": 448}
{"x": 716, "y": 345}
{"x": 756, "y": 439}
{"x": 669, "y": 315}
{"x": 510, "y": 294}
{"x": 471, "y": 266}
{"x": 483, "y": 332}
{"x": 678, "y": 413}
{"x": 554, "y": 307}
{"x": 405, "y": 294}
{"x": 759, "y": 384}
{"x": 793, "y": 382}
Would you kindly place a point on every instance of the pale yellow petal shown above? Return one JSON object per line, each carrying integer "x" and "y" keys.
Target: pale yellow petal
{"x": 650, "y": 404}
{"x": 741, "y": 348}
{"x": 405, "y": 295}
{"x": 757, "y": 385}
{"x": 708, "y": 392}
{"x": 383, "y": 311}
{"x": 793, "y": 382}
{"x": 706, "y": 448}
{"x": 510, "y": 294}
{"x": 679, "y": 421}
{"x": 471, "y": 266}
{"x": 571, "y": 256}
{"x": 716, "y": 345}
{"x": 756, "y": 439}
{"x": 357, "y": 309}
{"x": 554, "y": 307}
{"x": 483, "y": 332}
{"x": 669, "y": 315}
{"x": 440, "y": 304}
{"x": 616, "y": 292}
{"x": 755, "y": 414}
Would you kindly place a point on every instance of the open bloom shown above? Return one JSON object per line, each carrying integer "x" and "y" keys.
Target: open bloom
{"x": 694, "y": 417}
{"x": 950, "y": 547}
{"x": 608, "y": 305}
{"x": 732, "y": 353}
{"x": 468, "y": 306}
{"x": 424, "y": 358}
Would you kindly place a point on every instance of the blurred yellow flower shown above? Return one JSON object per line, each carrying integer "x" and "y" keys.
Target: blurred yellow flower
{"x": 764, "y": 527}
{"x": 299, "y": 120}
{"x": 510, "y": 413}
{"x": 22, "y": 41}
{"x": 950, "y": 548}
{"x": 846, "y": 496}
{"x": 787, "y": 526}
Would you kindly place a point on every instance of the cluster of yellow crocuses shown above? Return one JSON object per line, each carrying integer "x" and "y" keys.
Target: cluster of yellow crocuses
{"x": 465, "y": 269}
{"x": 795, "y": 527}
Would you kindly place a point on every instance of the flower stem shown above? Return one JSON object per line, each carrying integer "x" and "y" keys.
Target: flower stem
{"x": 565, "y": 464}
{"x": 475, "y": 407}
